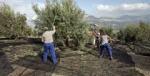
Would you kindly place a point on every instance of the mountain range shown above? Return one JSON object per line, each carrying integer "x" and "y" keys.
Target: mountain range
{"x": 118, "y": 22}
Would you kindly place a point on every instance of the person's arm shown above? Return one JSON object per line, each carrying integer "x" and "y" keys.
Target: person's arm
{"x": 54, "y": 29}
{"x": 43, "y": 39}
{"x": 95, "y": 33}
{"x": 110, "y": 39}
{"x": 98, "y": 35}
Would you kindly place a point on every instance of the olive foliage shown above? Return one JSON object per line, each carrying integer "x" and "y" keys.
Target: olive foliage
{"x": 68, "y": 19}
{"x": 12, "y": 25}
{"x": 135, "y": 33}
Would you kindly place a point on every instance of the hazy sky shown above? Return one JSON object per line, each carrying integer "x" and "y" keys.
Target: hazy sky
{"x": 97, "y": 8}
{"x": 115, "y": 7}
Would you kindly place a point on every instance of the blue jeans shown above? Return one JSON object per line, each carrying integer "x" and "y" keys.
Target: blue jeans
{"x": 108, "y": 48}
{"x": 49, "y": 49}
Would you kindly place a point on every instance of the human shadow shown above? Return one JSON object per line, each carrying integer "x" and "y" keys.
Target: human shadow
{"x": 35, "y": 63}
{"x": 5, "y": 65}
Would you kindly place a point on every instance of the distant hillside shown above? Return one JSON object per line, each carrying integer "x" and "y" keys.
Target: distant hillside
{"x": 119, "y": 22}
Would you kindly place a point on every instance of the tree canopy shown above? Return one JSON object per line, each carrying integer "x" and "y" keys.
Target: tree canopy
{"x": 12, "y": 24}
{"x": 66, "y": 16}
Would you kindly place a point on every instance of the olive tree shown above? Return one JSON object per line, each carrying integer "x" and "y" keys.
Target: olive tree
{"x": 135, "y": 33}
{"x": 13, "y": 25}
{"x": 68, "y": 19}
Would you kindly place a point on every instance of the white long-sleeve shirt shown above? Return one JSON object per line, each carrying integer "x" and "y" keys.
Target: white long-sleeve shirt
{"x": 105, "y": 39}
{"x": 47, "y": 36}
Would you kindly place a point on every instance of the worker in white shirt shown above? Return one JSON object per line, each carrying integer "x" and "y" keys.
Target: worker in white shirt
{"x": 105, "y": 44}
{"x": 47, "y": 39}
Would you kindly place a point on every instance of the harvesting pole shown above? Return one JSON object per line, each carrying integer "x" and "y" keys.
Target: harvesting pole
{"x": 53, "y": 21}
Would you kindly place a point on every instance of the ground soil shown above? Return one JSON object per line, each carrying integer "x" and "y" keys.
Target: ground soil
{"x": 23, "y": 58}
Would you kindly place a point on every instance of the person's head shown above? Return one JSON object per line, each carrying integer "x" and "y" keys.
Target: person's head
{"x": 102, "y": 32}
{"x": 95, "y": 25}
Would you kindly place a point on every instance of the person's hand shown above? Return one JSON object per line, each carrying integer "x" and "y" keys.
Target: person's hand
{"x": 54, "y": 27}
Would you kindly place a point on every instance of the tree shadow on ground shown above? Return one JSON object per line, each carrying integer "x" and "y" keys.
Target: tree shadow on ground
{"x": 2, "y": 44}
{"x": 123, "y": 57}
{"x": 35, "y": 63}
{"x": 5, "y": 65}
{"x": 118, "y": 54}
{"x": 28, "y": 41}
